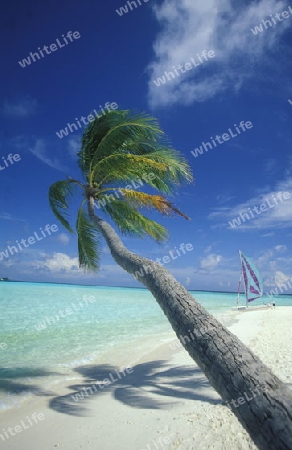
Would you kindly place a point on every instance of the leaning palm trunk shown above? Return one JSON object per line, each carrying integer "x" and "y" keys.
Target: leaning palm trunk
{"x": 261, "y": 401}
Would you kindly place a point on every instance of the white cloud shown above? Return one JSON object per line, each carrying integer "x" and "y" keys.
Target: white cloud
{"x": 278, "y": 213}
{"x": 210, "y": 262}
{"x": 265, "y": 258}
{"x": 58, "y": 263}
{"x": 8, "y": 216}
{"x": 270, "y": 257}
{"x": 189, "y": 27}
{"x": 278, "y": 279}
{"x": 39, "y": 150}
{"x": 200, "y": 278}
{"x": 209, "y": 248}
{"x": 281, "y": 278}
{"x": 272, "y": 266}
{"x": 281, "y": 248}
{"x": 74, "y": 145}
{"x": 22, "y": 108}
{"x": 63, "y": 238}
{"x": 42, "y": 254}
{"x": 224, "y": 198}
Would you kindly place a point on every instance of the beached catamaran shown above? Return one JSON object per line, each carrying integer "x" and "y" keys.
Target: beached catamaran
{"x": 253, "y": 285}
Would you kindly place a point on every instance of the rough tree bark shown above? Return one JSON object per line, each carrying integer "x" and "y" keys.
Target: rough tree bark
{"x": 261, "y": 402}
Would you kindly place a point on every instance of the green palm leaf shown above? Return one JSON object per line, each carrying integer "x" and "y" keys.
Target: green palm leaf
{"x": 119, "y": 131}
{"x": 59, "y": 193}
{"x": 131, "y": 222}
{"x": 93, "y": 135}
{"x": 126, "y": 167}
{"x": 88, "y": 242}
{"x": 120, "y": 148}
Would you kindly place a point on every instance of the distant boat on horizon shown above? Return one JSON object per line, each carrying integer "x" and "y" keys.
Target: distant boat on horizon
{"x": 4, "y": 279}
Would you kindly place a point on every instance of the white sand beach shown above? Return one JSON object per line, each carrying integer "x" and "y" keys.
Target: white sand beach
{"x": 164, "y": 403}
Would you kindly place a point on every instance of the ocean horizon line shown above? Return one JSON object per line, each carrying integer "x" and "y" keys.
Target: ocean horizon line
{"x": 123, "y": 287}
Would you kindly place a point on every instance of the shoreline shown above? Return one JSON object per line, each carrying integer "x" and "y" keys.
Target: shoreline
{"x": 165, "y": 396}
{"x": 127, "y": 353}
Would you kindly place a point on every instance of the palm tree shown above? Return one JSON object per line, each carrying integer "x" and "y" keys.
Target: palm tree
{"x": 121, "y": 147}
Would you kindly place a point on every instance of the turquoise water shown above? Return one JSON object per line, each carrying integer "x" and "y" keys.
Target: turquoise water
{"x": 46, "y": 329}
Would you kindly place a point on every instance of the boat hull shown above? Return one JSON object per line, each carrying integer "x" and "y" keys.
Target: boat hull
{"x": 251, "y": 308}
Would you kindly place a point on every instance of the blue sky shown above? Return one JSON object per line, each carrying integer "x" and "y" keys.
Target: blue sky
{"x": 116, "y": 59}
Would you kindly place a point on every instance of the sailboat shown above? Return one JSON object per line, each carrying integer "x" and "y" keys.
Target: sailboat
{"x": 253, "y": 286}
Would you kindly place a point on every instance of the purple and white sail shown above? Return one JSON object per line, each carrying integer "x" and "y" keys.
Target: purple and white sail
{"x": 253, "y": 285}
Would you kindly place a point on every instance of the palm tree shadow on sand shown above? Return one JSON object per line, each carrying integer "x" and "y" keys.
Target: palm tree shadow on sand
{"x": 151, "y": 385}
{"x": 10, "y": 384}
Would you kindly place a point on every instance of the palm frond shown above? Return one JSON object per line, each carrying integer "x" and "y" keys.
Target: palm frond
{"x": 123, "y": 147}
{"x": 59, "y": 193}
{"x": 126, "y": 167}
{"x": 113, "y": 132}
{"x": 131, "y": 222}
{"x": 161, "y": 204}
{"x": 178, "y": 168}
{"x": 88, "y": 242}
{"x": 162, "y": 168}
{"x": 93, "y": 135}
